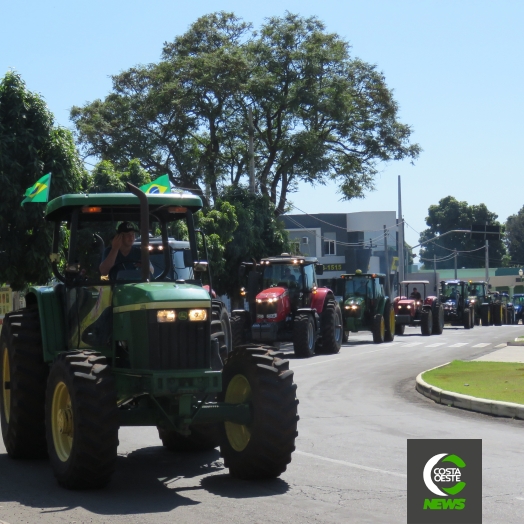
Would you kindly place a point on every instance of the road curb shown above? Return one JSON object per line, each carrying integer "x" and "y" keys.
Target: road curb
{"x": 480, "y": 405}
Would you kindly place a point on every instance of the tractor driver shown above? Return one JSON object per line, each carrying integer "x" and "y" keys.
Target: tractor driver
{"x": 122, "y": 254}
{"x": 288, "y": 275}
{"x": 361, "y": 289}
{"x": 415, "y": 294}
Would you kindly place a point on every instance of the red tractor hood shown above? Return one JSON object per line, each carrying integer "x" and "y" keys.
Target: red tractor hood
{"x": 273, "y": 292}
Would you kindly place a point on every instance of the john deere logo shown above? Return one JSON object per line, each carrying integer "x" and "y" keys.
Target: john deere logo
{"x": 182, "y": 315}
{"x": 440, "y": 486}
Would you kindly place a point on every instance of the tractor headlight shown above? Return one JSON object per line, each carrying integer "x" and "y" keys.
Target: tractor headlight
{"x": 166, "y": 315}
{"x": 409, "y": 307}
{"x": 196, "y": 315}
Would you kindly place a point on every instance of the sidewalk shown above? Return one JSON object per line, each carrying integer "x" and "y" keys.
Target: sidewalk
{"x": 507, "y": 353}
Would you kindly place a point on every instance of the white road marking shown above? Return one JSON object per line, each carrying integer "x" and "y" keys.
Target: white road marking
{"x": 436, "y": 345}
{"x": 315, "y": 363}
{"x": 482, "y": 345}
{"x": 412, "y": 345}
{"x": 352, "y": 465}
{"x": 501, "y": 346}
{"x": 459, "y": 345}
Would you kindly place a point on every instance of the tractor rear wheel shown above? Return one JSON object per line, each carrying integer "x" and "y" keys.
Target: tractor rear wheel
{"x": 379, "y": 329}
{"x": 263, "y": 448}
{"x": 497, "y": 315}
{"x": 345, "y": 336}
{"x": 23, "y": 373}
{"x": 438, "y": 319}
{"x": 221, "y": 329}
{"x": 304, "y": 336}
{"x": 485, "y": 314}
{"x": 238, "y": 334}
{"x": 330, "y": 329}
{"x": 202, "y": 438}
{"x": 81, "y": 420}
{"x": 399, "y": 329}
{"x": 426, "y": 322}
{"x": 389, "y": 322}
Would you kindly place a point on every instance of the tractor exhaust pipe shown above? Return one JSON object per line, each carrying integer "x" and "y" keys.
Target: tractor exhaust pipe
{"x": 144, "y": 229}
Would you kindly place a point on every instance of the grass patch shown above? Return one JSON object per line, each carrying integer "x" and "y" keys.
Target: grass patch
{"x": 492, "y": 380}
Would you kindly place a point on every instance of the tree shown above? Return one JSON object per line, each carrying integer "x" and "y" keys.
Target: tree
{"x": 318, "y": 114}
{"x": 451, "y": 214}
{"x": 30, "y": 146}
{"x": 515, "y": 238}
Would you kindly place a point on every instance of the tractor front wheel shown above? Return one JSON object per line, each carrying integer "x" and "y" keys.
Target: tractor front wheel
{"x": 23, "y": 375}
{"x": 485, "y": 314}
{"x": 221, "y": 329}
{"x": 81, "y": 420}
{"x": 304, "y": 336}
{"x": 426, "y": 322}
{"x": 399, "y": 329}
{"x": 466, "y": 318}
{"x": 389, "y": 322}
{"x": 379, "y": 329}
{"x": 263, "y": 448}
{"x": 238, "y": 334}
{"x": 331, "y": 329}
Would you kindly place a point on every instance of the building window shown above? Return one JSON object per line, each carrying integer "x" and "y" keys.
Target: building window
{"x": 330, "y": 247}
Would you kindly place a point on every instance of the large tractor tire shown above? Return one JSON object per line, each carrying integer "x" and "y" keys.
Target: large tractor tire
{"x": 221, "y": 328}
{"x": 304, "y": 336}
{"x": 202, "y": 438}
{"x": 23, "y": 373}
{"x": 389, "y": 322}
{"x": 81, "y": 420}
{"x": 263, "y": 448}
{"x": 497, "y": 315}
{"x": 379, "y": 329}
{"x": 477, "y": 320}
{"x": 345, "y": 337}
{"x": 426, "y": 322}
{"x": 485, "y": 315}
{"x": 238, "y": 333}
{"x": 399, "y": 329}
{"x": 466, "y": 319}
{"x": 438, "y": 319}
{"x": 331, "y": 329}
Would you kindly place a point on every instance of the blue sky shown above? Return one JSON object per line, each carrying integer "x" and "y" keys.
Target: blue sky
{"x": 455, "y": 67}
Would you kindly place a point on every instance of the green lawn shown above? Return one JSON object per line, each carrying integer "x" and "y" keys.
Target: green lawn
{"x": 492, "y": 380}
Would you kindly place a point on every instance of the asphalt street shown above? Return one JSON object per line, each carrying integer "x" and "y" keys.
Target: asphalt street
{"x": 357, "y": 410}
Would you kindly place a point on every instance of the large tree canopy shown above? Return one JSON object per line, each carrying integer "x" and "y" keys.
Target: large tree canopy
{"x": 515, "y": 238}
{"x": 450, "y": 214}
{"x": 30, "y": 146}
{"x": 318, "y": 113}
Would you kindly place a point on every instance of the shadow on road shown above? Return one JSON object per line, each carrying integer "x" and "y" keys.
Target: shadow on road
{"x": 148, "y": 480}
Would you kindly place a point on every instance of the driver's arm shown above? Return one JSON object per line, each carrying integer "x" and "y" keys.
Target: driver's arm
{"x": 110, "y": 259}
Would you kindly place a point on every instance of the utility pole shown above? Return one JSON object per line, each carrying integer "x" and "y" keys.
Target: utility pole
{"x": 487, "y": 260}
{"x": 435, "y": 271}
{"x": 251, "y": 153}
{"x": 386, "y": 256}
{"x": 455, "y": 264}
{"x": 400, "y": 222}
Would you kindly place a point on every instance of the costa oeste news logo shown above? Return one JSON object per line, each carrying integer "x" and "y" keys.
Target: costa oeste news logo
{"x": 445, "y": 481}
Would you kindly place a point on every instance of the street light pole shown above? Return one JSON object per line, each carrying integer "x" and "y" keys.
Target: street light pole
{"x": 487, "y": 260}
{"x": 435, "y": 271}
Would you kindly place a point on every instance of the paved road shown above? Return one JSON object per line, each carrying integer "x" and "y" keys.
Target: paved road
{"x": 357, "y": 410}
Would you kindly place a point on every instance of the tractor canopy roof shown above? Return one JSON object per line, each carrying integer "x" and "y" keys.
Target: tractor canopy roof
{"x": 286, "y": 258}
{"x": 357, "y": 274}
{"x": 121, "y": 206}
{"x": 409, "y": 282}
{"x": 453, "y": 282}
{"x": 518, "y": 295}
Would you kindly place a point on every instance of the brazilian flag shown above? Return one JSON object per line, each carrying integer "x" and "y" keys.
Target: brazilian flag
{"x": 39, "y": 192}
{"x": 160, "y": 185}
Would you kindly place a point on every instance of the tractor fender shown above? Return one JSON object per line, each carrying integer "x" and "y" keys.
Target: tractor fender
{"x": 243, "y": 314}
{"x": 319, "y": 298}
{"x": 429, "y": 301}
{"x": 50, "y": 301}
{"x": 310, "y": 311}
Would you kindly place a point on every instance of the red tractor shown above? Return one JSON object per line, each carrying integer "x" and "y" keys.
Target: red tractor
{"x": 285, "y": 304}
{"x": 415, "y": 308}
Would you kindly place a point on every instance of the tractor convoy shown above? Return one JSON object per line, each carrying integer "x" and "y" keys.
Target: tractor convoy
{"x": 151, "y": 345}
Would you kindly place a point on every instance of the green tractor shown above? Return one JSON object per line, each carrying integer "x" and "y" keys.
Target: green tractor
{"x": 365, "y": 306}
{"x": 90, "y": 354}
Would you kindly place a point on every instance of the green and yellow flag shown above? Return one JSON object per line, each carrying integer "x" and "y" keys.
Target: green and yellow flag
{"x": 160, "y": 185}
{"x": 39, "y": 192}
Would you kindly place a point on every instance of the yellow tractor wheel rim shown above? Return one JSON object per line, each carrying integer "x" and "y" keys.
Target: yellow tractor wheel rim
{"x": 238, "y": 392}
{"x": 6, "y": 384}
{"x": 62, "y": 422}
{"x": 391, "y": 320}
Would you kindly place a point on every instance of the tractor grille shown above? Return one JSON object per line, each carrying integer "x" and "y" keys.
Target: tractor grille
{"x": 178, "y": 345}
{"x": 266, "y": 308}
